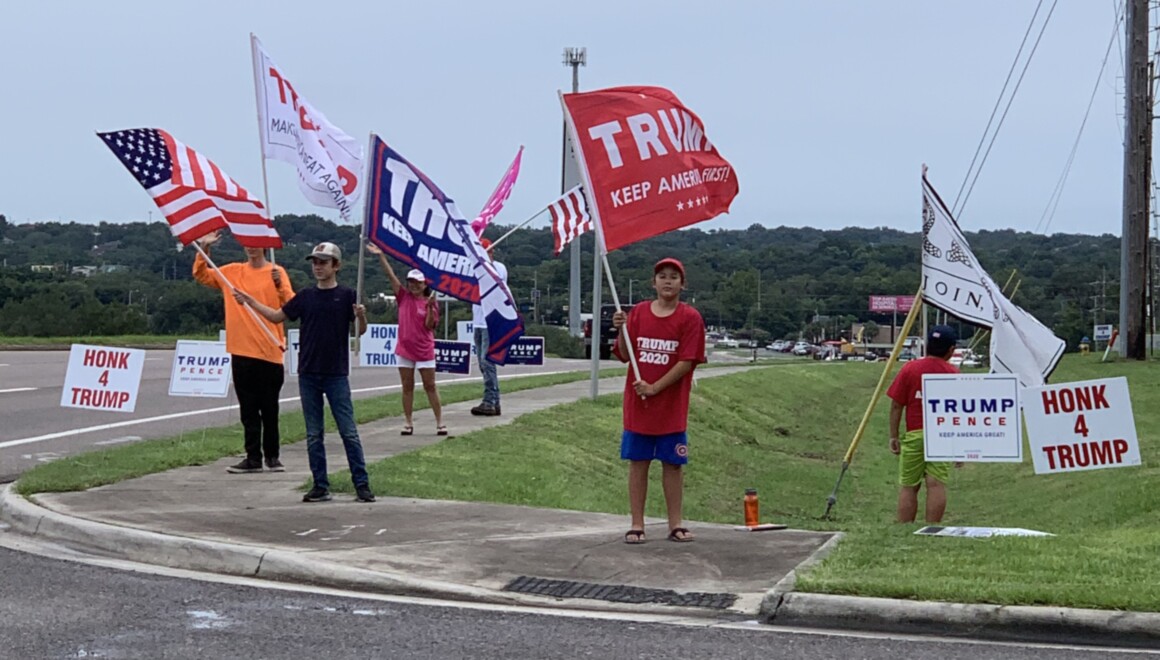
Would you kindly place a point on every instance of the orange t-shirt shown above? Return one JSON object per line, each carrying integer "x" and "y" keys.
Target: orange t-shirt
{"x": 243, "y": 336}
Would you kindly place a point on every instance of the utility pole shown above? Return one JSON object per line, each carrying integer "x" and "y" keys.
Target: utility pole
{"x": 569, "y": 178}
{"x": 1137, "y": 148}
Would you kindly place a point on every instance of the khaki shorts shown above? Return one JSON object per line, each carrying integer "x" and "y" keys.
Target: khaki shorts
{"x": 912, "y": 464}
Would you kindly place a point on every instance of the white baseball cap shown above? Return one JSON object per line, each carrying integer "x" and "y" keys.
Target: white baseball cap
{"x": 416, "y": 274}
{"x": 325, "y": 251}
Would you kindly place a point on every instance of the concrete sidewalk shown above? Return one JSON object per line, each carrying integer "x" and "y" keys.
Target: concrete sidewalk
{"x": 203, "y": 518}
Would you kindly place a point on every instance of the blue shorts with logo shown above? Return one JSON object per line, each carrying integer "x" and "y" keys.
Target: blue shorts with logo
{"x": 671, "y": 448}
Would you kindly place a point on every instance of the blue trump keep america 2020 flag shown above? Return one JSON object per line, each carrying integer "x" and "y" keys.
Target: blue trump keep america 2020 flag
{"x": 410, "y": 218}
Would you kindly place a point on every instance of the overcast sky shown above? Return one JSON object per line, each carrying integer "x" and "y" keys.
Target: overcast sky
{"x": 826, "y": 110}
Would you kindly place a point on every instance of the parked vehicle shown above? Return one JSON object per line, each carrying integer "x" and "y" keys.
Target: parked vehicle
{"x": 608, "y": 334}
{"x": 803, "y": 348}
{"x": 728, "y": 343}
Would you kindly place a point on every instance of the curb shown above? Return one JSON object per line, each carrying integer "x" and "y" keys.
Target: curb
{"x": 1057, "y": 625}
{"x": 32, "y": 520}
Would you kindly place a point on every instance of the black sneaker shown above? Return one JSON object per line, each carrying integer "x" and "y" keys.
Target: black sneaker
{"x": 317, "y": 494}
{"x": 245, "y": 467}
{"x": 364, "y": 494}
{"x": 275, "y": 465}
{"x": 485, "y": 410}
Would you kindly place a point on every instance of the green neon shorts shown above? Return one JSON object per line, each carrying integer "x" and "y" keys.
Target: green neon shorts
{"x": 912, "y": 464}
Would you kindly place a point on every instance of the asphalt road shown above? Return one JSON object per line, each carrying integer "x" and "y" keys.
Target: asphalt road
{"x": 63, "y": 609}
{"x": 36, "y": 428}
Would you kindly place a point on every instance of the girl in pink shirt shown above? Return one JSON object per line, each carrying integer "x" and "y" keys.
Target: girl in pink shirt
{"x": 415, "y": 348}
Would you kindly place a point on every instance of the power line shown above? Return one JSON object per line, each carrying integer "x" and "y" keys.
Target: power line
{"x": 1026, "y": 64}
{"x": 983, "y": 137}
{"x": 1057, "y": 193}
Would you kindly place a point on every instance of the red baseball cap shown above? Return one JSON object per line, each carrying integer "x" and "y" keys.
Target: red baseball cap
{"x": 669, "y": 261}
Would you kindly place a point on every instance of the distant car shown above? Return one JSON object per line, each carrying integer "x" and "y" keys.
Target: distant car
{"x": 803, "y": 348}
{"x": 776, "y": 346}
{"x": 906, "y": 355}
{"x": 728, "y": 343}
{"x": 965, "y": 357}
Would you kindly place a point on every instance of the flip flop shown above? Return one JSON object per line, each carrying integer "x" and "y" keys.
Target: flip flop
{"x": 407, "y": 430}
{"x": 441, "y": 430}
{"x": 634, "y": 536}
{"x": 680, "y": 535}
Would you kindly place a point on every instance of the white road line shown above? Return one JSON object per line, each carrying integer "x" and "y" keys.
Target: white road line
{"x": 18, "y": 389}
{"x": 191, "y": 413}
{"x": 117, "y": 441}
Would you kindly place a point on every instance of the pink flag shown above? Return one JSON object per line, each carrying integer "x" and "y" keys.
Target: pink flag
{"x": 502, "y": 192}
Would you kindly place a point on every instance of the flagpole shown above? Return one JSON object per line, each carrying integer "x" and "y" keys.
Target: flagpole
{"x": 600, "y": 255}
{"x": 258, "y": 98}
{"x": 221, "y": 275}
{"x": 519, "y": 226}
{"x": 906, "y": 325}
{"x": 366, "y": 227}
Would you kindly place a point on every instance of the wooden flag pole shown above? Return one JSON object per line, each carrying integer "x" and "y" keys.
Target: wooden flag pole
{"x": 225, "y": 280}
{"x": 906, "y": 325}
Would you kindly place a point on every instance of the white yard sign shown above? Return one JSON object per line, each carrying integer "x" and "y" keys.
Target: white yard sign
{"x": 102, "y": 378}
{"x": 1086, "y": 425}
{"x": 972, "y": 418}
{"x": 293, "y": 339}
{"x": 200, "y": 368}
{"x": 377, "y": 348}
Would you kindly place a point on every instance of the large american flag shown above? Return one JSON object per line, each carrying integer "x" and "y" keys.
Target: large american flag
{"x": 193, "y": 193}
{"x": 570, "y": 217}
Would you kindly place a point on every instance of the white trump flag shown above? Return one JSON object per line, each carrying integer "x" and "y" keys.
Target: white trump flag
{"x": 329, "y": 161}
{"x": 953, "y": 281}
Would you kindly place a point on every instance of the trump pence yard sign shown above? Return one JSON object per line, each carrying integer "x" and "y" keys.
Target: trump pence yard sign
{"x": 1085, "y": 425}
{"x": 972, "y": 418}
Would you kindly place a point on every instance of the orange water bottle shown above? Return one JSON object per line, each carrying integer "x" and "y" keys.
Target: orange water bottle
{"x": 751, "y": 517}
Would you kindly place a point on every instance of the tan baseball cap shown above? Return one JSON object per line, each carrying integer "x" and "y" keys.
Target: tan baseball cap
{"x": 325, "y": 251}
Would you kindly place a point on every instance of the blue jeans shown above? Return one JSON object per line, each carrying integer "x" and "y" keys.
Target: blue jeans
{"x": 490, "y": 379}
{"x": 311, "y": 388}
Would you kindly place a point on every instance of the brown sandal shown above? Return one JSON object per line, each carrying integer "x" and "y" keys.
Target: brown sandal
{"x": 634, "y": 536}
{"x": 680, "y": 535}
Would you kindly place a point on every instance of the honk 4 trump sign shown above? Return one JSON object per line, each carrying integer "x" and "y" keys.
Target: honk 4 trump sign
{"x": 1086, "y": 425}
{"x": 102, "y": 378}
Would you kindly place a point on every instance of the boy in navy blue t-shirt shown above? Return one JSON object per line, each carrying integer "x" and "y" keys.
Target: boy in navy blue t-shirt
{"x": 326, "y": 311}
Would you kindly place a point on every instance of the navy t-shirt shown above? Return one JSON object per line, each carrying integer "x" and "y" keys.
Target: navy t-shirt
{"x": 326, "y": 317}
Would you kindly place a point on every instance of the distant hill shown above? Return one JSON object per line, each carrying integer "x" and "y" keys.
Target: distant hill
{"x": 809, "y": 280}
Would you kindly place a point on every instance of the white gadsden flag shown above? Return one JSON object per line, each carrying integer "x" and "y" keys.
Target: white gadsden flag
{"x": 953, "y": 281}
{"x": 329, "y": 161}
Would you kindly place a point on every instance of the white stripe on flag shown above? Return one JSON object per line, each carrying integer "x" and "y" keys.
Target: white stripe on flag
{"x": 211, "y": 182}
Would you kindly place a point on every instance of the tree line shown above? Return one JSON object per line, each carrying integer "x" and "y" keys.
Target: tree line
{"x": 73, "y": 279}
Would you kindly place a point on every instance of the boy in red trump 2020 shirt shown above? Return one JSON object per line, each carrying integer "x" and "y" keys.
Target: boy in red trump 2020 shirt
{"x": 668, "y": 338}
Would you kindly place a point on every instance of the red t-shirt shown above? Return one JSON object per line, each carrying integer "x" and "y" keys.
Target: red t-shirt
{"x": 660, "y": 343}
{"x": 907, "y": 386}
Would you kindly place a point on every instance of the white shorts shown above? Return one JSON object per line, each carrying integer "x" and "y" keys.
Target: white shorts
{"x": 404, "y": 363}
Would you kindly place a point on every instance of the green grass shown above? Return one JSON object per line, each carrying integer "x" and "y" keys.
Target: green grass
{"x": 145, "y": 341}
{"x": 784, "y": 430}
{"x": 203, "y": 446}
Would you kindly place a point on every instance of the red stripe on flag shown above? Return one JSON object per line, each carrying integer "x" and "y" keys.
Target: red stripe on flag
{"x": 195, "y": 167}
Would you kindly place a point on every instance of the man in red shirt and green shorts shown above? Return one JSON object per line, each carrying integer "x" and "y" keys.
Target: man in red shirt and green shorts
{"x": 668, "y": 338}
{"x": 906, "y": 394}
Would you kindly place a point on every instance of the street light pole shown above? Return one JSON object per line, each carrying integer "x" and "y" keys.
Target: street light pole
{"x": 570, "y": 177}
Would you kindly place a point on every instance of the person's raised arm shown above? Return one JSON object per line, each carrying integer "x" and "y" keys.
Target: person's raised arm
{"x": 272, "y": 315}
{"x": 201, "y": 270}
{"x": 396, "y": 285}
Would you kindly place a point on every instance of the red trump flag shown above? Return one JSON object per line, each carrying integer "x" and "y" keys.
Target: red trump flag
{"x": 648, "y": 166}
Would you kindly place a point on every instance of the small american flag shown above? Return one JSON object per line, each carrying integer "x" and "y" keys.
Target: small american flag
{"x": 569, "y": 217}
{"x": 193, "y": 193}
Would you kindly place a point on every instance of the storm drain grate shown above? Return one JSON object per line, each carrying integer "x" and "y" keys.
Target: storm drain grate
{"x": 617, "y": 593}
